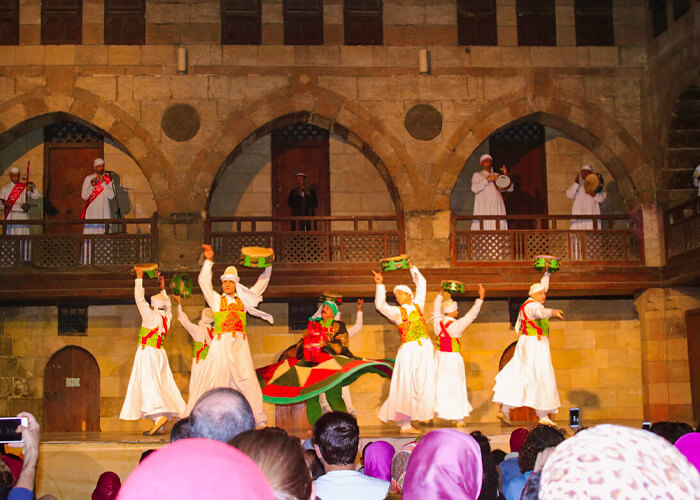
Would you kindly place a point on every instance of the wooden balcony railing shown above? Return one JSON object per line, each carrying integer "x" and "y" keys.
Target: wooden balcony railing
{"x": 618, "y": 241}
{"x": 337, "y": 240}
{"x": 60, "y": 244}
{"x": 682, "y": 228}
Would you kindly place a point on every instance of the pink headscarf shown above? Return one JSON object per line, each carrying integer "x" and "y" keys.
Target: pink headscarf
{"x": 107, "y": 486}
{"x": 689, "y": 445}
{"x": 445, "y": 464}
{"x": 378, "y": 457}
{"x": 197, "y": 468}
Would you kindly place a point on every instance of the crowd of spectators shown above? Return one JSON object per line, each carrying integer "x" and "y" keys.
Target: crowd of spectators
{"x": 217, "y": 453}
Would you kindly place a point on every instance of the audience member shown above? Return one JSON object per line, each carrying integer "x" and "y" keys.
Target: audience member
{"x": 398, "y": 467}
{"x": 107, "y": 486}
{"x": 510, "y": 468}
{"x": 378, "y": 455}
{"x": 24, "y": 486}
{"x": 489, "y": 486}
{"x": 145, "y": 454}
{"x": 203, "y": 469}
{"x": 689, "y": 446}
{"x": 181, "y": 430}
{"x": 336, "y": 439}
{"x": 611, "y": 461}
{"x": 538, "y": 439}
{"x": 671, "y": 431}
{"x": 445, "y": 463}
{"x": 221, "y": 414}
{"x": 498, "y": 456}
{"x": 281, "y": 458}
{"x": 314, "y": 464}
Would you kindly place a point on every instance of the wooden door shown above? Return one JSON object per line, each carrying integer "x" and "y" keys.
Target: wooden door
{"x": 72, "y": 392}
{"x": 521, "y": 149}
{"x": 692, "y": 325}
{"x": 300, "y": 147}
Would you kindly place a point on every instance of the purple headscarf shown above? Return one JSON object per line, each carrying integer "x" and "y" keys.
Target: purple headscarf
{"x": 446, "y": 464}
{"x": 378, "y": 457}
{"x": 689, "y": 445}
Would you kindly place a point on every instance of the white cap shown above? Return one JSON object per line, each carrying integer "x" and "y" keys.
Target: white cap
{"x": 14, "y": 170}
{"x": 536, "y": 287}
{"x": 404, "y": 289}
{"x": 449, "y": 306}
{"x": 300, "y": 173}
{"x": 98, "y": 161}
{"x": 485, "y": 157}
{"x": 207, "y": 315}
{"x": 158, "y": 301}
{"x": 587, "y": 167}
{"x": 230, "y": 274}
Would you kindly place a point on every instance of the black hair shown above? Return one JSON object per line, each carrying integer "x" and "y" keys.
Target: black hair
{"x": 489, "y": 485}
{"x": 338, "y": 437}
{"x": 145, "y": 454}
{"x": 539, "y": 439}
{"x": 671, "y": 431}
{"x": 181, "y": 430}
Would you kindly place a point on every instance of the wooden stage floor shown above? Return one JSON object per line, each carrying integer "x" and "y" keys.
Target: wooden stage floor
{"x": 70, "y": 463}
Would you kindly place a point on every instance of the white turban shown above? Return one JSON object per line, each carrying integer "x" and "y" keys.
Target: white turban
{"x": 485, "y": 157}
{"x": 14, "y": 170}
{"x": 158, "y": 301}
{"x": 230, "y": 274}
{"x": 587, "y": 167}
{"x": 98, "y": 161}
{"x": 449, "y": 306}
{"x": 207, "y": 316}
{"x": 536, "y": 287}
{"x": 300, "y": 173}
{"x": 403, "y": 288}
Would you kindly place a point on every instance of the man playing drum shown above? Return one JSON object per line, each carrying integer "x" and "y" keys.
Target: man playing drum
{"x": 528, "y": 378}
{"x": 451, "y": 400}
{"x": 487, "y": 198}
{"x": 584, "y": 203}
{"x": 229, "y": 363}
{"x": 412, "y": 389}
{"x": 98, "y": 189}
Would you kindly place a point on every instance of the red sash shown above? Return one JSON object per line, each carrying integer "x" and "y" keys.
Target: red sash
{"x": 97, "y": 191}
{"x": 446, "y": 344}
{"x": 525, "y": 322}
{"x": 151, "y": 333}
{"x": 14, "y": 196}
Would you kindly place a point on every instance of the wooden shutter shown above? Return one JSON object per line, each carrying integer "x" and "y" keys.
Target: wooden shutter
{"x": 659, "y": 21}
{"x": 241, "y": 22}
{"x": 303, "y": 22}
{"x": 536, "y": 22}
{"x": 61, "y": 22}
{"x": 9, "y": 22}
{"x": 476, "y": 22}
{"x": 594, "y": 22}
{"x": 125, "y": 22}
{"x": 363, "y": 22}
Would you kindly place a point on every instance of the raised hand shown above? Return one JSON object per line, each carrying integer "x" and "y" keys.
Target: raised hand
{"x": 360, "y": 303}
{"x": 138, "y": 269}
{"x": 161, "y": 280}
{"x": 504, "y": 170}
{"x": 378, "y": 278}
{"x": 208, "y": 252}
{"x": 482, "y": 291}
{"x": 177, "y": 299}
{"x": 558, "y": 313}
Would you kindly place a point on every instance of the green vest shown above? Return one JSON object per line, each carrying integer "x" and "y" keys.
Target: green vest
{"x": 151, "y": 338}
{"x": 231, "y": 318}
{"x": 532, "y": 327}
{"x": 412, "y": 325}
{"x": 200, "y": 351}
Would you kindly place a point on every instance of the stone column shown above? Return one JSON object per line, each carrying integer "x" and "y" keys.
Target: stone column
{"x": 428, "y": 238}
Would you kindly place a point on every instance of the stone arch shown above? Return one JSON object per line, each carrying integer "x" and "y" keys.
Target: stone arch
{"x": 608, "y": 140}
{"x": 37, "y": 108}
{"x": 324, "y": 109}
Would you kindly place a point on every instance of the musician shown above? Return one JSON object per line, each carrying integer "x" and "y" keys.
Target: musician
{"x": 98, "y": 189}
{"x": 302, "y": 200}
{"x": 229, "y": 363}
{"x": 202, "y": 334}
{"x": 412, "y": 389}
{"x": 451, "y": 400}
{"x": 528, "y": 378}
{"x": 152, "y": 392}
{"x": 15, "y": 197}
{"x": 584, "y": 203}
{"x": 487, "y": 198}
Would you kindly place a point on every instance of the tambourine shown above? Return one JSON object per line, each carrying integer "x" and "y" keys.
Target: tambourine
{"x": 502, "y": 182}
{"x": 547, "y": 263}
{"x": 256, "y": 257}
{"x": 149, "y": 268}
{"x": 453, "y": 286}
{"x": 593, "y": 183}
{"x": 395, "y": 263}
{"x": 331, "y": 296}
{"x": 182, "y": 285}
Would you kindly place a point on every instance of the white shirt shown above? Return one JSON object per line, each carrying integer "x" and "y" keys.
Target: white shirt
{"x": 99, "y": 207}
{"x": 350, "y": 485}
{"x": 534, "y": 309}
{"x": 584, "y": 204}
{"x": 457, "y": 326}
{"x": 151, "y": 318}
{"x": 198, "y": 332}
{"x": 393, "y": 313}
{"x": 487, "y": 200}
{"x": 17, "y": 207}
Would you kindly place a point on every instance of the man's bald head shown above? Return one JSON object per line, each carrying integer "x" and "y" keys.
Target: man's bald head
{"x": 221, "y": 414}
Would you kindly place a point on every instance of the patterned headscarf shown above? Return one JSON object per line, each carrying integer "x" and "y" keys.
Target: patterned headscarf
{"x": 378, "y": 457}
{"x": 689, "y": 445}
{"x": 445, "y": 464}
{"x": 398, "y": 467}
{"x": 611, "y": 461}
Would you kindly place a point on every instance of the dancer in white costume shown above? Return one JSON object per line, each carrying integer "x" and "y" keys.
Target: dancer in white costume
{"x": 202, "y": 334}
{"x": 152, "y": 392}
{"x": 229, "y": 363}
{"x": 487, "y": 198}
{"x": 412, "y": 389}
{"x": 451, "y": 400}
{"x": 528, "y": 378}
{"x": 584, "y": 203}
{"x": 352, "y": 330}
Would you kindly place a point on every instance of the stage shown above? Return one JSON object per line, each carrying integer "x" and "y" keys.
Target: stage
{"x": 70, "y": 463}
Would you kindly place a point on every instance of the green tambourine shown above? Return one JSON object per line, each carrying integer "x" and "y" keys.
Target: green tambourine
{"x": 150, "y": 269}
{"x": 182, "y": 285}
{"x": 395, "y": 263}
{"x": 547, "y": 263}
{"x": 256, "y": 257}
{"x": 453, "y": 286}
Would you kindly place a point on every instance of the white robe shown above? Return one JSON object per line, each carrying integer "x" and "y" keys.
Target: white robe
{"x": 584, "y": 204}
{"x": 451, "y": 399}
{"x": 99, "y": 208}
{"x": 17, "y": 213}
{"x": 229, "y": 363}
{"x": 152, "y": 390}
{"x": 412, "y": 389}
{"x": 487, "y": 201}
{"x": 199, "y": 333}
{"x": 528, "y": 378}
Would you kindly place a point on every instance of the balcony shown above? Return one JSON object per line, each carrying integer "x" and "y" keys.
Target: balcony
{"x": 682, "y": 238}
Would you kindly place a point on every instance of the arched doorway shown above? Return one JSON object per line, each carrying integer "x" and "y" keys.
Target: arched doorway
{"x": 72, "y": 392}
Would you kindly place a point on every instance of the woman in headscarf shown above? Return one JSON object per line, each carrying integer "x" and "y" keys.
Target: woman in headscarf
{"x": 378, "y": 457}
{"x": 611, "y": 461}
{"x": 399, "y": 464}
{"x": 689, "y": 446}
{"x": 446, "y": 464}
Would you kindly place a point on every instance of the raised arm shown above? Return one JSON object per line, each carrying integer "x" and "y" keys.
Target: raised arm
{"x": 139, "y": 297}
{"x": 263, "y": 280}
{"x": 479, "y": 183}
{"x": 437, "y": 313}
{"x": 600, "y": 197}
{"x": 462, "y": 323}
{"x": 545, "y": 281}
{"x": 572, "y": 190}
{"x": 357, "y": 327}
{"x": 392, "y": 313}
{"x": 204, "y": 279}
{"x": 421, "y": 287}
